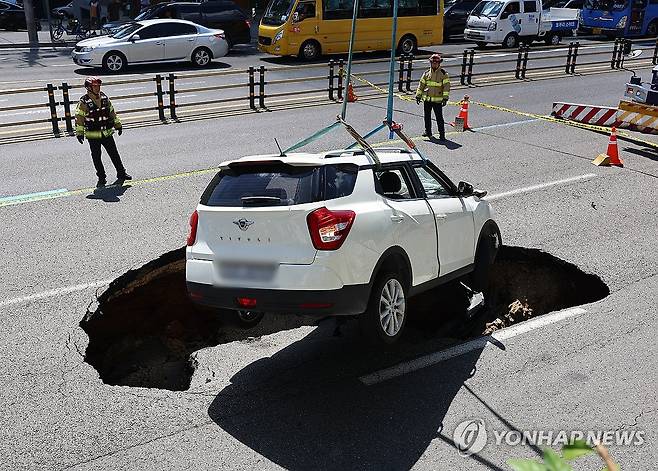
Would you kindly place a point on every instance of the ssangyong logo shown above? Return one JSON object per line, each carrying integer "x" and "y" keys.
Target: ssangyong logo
{"x": 470, "y": 437}
{"x": 243, "y": 224}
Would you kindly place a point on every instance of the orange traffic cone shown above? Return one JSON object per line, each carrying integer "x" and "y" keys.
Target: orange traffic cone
{"x": 351, "y": 96}
{"x": 462, "y": 116}
{"x": 611, "y": 157}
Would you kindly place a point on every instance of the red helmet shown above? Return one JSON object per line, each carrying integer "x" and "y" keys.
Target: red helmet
{"x": 436, "y": 58}
{"x": 89, "y": 81}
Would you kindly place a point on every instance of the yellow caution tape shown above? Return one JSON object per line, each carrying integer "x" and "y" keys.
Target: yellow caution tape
{"x": 400, "y": 96}
{"x": 550, "y": 119}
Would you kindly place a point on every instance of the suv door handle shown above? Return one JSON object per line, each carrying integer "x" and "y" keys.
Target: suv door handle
{"x": 440, "y": 217}
{"x": 397, "y": 218}
{"x": 190, "y": 39}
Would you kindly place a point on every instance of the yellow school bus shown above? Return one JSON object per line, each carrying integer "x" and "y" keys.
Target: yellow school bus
{"x": 308, "y": 28}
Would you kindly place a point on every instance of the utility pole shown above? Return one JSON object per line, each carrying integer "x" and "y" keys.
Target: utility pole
{"x": 31, "y": 23}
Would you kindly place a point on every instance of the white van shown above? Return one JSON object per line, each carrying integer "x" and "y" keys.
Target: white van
{"x": 509, "y": 22}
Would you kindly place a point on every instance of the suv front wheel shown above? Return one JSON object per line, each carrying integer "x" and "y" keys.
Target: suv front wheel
{"x": 386, "y": 315}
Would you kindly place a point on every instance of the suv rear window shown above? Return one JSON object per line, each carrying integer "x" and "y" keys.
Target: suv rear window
{"x": 279, "y": 185}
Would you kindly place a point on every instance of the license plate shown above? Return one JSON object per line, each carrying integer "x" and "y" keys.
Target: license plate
{"x": 597, "y": 30}
{"x": 247, "y": 271}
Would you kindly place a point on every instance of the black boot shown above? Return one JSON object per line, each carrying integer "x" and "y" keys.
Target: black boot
{"x": 101, "y": 182}
{"x": 124, "y": 177}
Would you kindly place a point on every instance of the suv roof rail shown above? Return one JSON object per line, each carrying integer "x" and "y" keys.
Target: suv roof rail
{"x": 393, "y": 149}
{"x": 338, "y": 153}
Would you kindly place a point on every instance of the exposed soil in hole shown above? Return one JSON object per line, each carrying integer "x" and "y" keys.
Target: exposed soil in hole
{"x": 144, "y": 327}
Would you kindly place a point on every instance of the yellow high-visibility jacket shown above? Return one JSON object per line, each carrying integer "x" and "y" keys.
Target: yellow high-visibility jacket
{"x": 96, "y": 119}
{"x": 434, "y": 86}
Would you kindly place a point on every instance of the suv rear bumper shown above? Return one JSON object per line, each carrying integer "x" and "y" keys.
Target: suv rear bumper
{"x": 348, "y": 300}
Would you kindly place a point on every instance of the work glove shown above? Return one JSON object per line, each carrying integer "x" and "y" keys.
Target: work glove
{"x": 444, "y": 102}
{"x": 119, "y": 131}
{"x": 81, "y": 138}
{"x": 418, "y": 100}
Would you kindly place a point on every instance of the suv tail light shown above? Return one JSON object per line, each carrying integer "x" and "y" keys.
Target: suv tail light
{"x": 248, "y": 23}
{"x": 194, "y": 222}
{"x": 329, "y": 229}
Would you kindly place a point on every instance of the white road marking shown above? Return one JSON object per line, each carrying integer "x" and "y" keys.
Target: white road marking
{"x": 125, "y": 89}
{"x": 475, "y": 344}
{"x": 541, "y": 186}
{"x": 18, "y": 113}
{"x": 54, "y": 292}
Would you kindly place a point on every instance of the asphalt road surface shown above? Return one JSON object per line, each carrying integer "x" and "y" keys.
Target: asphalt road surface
{"x": 300, "y": 398}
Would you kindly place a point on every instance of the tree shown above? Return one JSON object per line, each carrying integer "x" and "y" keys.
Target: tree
{"x": 31, "y": 23}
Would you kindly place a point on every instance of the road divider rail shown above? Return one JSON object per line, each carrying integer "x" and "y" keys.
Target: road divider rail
{"x": 171, "y": 97}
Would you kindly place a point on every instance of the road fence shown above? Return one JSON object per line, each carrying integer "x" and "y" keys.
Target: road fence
{"x": 258, "y": 89}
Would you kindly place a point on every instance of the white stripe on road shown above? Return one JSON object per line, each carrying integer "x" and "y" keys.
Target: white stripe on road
{"x": 19, "y": 113}
{"x": 541, "y": 186}
{"x": 33, "y": 196}
{"x": 513, "y": 123}
{"x": 475, "y": 344}
{"x": 54, "y": 292}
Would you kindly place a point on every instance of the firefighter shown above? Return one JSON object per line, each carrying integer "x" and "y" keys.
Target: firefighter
{"x": 96, "y": 120}
{"x": 433, "y": 91}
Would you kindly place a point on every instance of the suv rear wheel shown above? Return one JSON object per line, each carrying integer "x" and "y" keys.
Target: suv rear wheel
{"x": 386, "y": 315}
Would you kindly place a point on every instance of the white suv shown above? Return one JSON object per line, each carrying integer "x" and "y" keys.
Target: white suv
{"x": 335, "y": 234}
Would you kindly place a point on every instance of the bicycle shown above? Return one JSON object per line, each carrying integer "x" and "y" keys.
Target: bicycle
{"x": 73, "y": 28}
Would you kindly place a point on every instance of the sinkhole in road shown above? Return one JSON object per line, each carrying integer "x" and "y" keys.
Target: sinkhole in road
{"x": 143, "y": 329}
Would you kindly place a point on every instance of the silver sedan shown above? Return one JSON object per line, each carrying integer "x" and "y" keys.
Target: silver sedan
{"x": 150, "y": 41}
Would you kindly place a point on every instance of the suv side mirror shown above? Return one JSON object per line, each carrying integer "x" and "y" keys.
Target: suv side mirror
{"x": 464, "y": 189}
{"x": 135, "y": 37}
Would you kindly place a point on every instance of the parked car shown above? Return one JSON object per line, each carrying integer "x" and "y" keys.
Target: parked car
{"x": 455, "y": 15}
{"x": 12, "y": 17}
{"x": 151, "y": 41}
{"x": 332, "y": 234}
{"x": 216, "y": 14}
{"x": 67, "y": 11}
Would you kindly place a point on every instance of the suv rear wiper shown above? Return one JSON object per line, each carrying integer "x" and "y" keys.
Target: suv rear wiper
{"x": 260, "y": 200}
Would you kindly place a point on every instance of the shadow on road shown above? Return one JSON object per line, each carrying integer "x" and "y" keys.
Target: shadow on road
{"x": 447, "y": 143}
{"x": 647, "y": 152}
{"x": 298, "y": 409}
{"x": 153, "y": 69}
{"x": 110, "y": 193}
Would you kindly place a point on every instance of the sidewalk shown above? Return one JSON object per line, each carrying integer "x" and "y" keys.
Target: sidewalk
{"x": 15, "y": 39}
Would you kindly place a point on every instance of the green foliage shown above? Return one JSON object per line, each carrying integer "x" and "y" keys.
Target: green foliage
{"x": 553, "y": 461}
{"x": 576, "y": 449}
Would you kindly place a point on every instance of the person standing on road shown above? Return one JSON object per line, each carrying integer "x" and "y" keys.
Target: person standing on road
{"x": 433, "y": 91}
{"x": 96, "y": 120}
{"x": 93, "y": 14}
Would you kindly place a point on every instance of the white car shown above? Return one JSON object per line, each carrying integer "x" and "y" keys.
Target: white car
{"x": 150, "y": 41}
{"x": 334, "y": 234}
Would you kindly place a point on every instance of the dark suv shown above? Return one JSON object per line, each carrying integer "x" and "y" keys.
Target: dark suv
{"x": 455, "y": 15}
{"x": 216, "y": 14}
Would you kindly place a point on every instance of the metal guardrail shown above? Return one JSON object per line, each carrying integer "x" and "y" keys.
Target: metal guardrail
{"x": 251, "y": 94}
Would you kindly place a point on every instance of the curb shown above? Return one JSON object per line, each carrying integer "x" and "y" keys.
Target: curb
{"x": 28, "y": 45}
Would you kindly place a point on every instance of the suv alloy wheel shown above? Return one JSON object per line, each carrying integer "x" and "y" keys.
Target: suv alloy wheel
{"x": 384, "y": 320}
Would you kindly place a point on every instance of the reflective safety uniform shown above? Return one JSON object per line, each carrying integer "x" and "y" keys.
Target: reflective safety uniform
{"x": 434, "y": 86}
{"x": 96, "y": 119}
{"x": 434, "y": 90}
